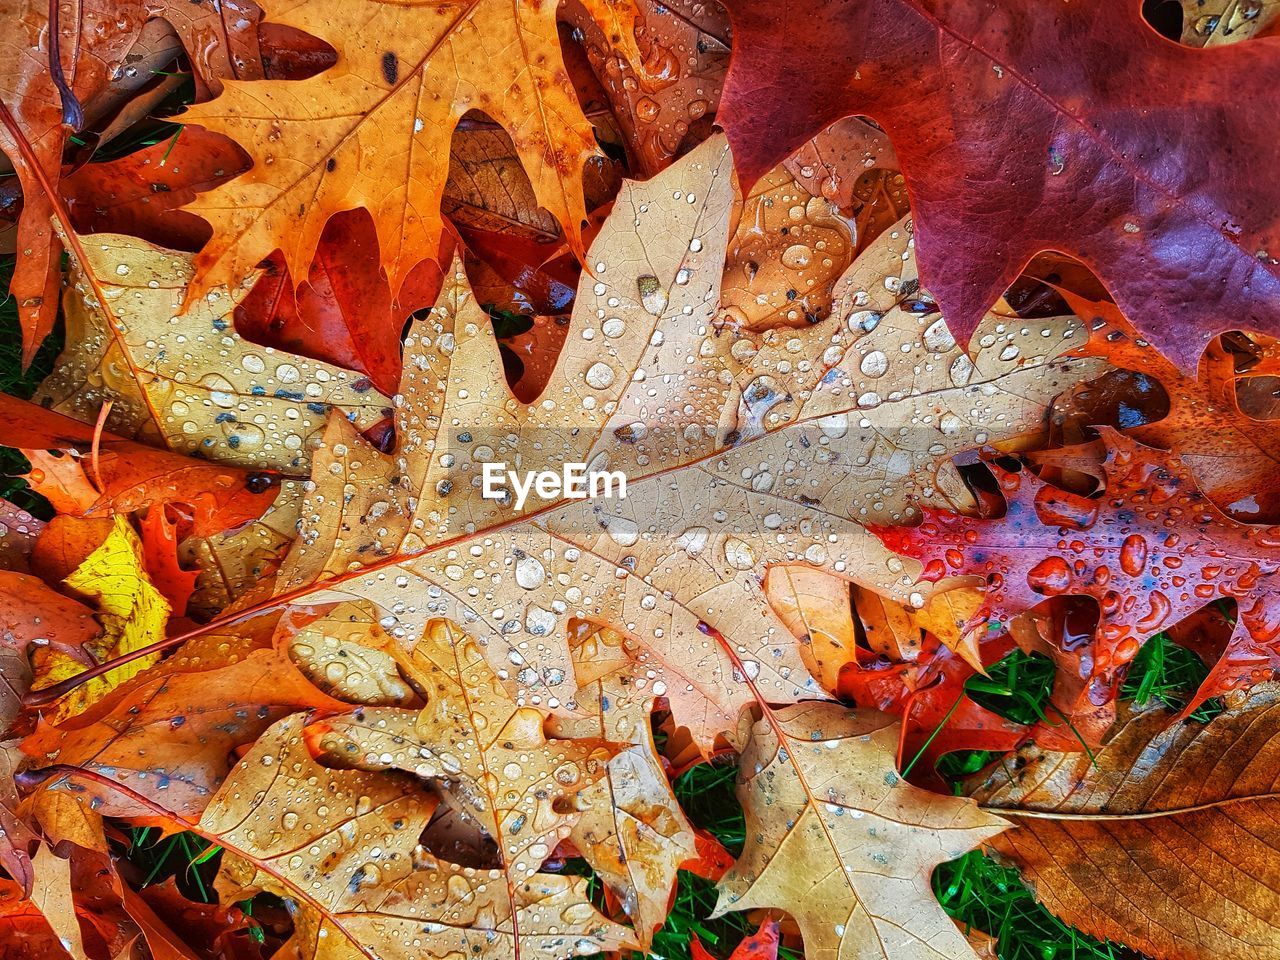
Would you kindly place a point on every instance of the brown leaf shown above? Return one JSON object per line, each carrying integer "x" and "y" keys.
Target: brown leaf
{"x": 632, "y": 831}
{"x": 19, "y": 532}
{"x": 1169, "y": 844}
{"x": 785, "y": 256}
{"x": 170, "y": 732}
{"x": 837, "y": 839}
{"x": 372, "y": 891}
{"x": 753, "y": 424}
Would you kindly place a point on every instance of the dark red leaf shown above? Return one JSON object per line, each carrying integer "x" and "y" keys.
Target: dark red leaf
{"x": 1022, "y": 129}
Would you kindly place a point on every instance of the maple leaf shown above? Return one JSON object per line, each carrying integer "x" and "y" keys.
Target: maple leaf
{"x": 378, "y": 893}
{"x": 842, "y": 843}
{"x": 374, "y": 130}
{"x": 1151, "y": 551}
{"x": 993, "y": 113}
{"x": 1120, "y": 844}
{"x": 755, "y": 426}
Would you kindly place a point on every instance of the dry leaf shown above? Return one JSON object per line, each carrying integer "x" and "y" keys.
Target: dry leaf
{"x": 245, "y": 405}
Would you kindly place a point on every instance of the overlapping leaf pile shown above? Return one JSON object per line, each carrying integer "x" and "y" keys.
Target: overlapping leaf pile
{"x": 261, "y": 600}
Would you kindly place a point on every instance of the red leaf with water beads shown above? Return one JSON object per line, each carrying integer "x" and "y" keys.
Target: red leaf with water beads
{"x": 1151, "y": 549}
{"x": 1022, "y": 129}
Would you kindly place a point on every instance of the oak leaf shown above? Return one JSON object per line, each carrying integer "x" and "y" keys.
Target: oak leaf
{"x": 1232, "y": 455}
{"x": 842, "y": 843}
{"x": 91, "y": 43}
{"x": 632, "y": 831}
{"x": 170, "y": 732}
{"x": 661, "y": 103}
{"x": 184, "y": 380}
{"x": 100, "y": 474}
{"x": 1041, "y": 115}
{"x": 374, "y": 891}
{"x": 1150, "y": 551}
{"x": 784, "y": 442}
{"x": 1165, "y": 841}
{"x": 374, "y": 131}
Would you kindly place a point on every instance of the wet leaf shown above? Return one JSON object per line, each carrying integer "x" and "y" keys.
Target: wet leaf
{"x": 1122, "y": 847}
{"x": 132, "y": 611}
{"x": 753, "y": 424}
{"x": 378, "y": 106}
{"x": 374, "y": 888}
{"x": 991, "y": 113}
{"x": 840, "y": 841}
{"x": 1150, "y": 551}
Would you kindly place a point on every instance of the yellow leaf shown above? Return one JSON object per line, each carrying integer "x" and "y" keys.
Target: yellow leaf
{"x": 133, "y": 615}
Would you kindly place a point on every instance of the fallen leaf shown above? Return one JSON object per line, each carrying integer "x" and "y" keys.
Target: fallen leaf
{"x": 1231, "y": 454}
{"x": 37, "y": 117}
{"x": 1007, "y": 152}
{"x": 248, "y": 407}
{"x": 1143, "y": 575}
{"x": 788, "y": 251}
{"x": 19, "y": 531}
{"x": 1124, "y": 847}
{"x": 132, "y": 612}
{"x": 761, "y": 945}
{"x": 160, "y": 559}
{"x": 374, "y": 891}
{"x": 344, "y": 313}
{"x": 51, "y": 893}
{"x": 816, "y": 608}
{"x": 375, "y": 114}
{"x": 170, "y": 732}
{"x": 17, "y": 838}
{"x": 140, "y": 193}
{"x": 842, "y": 843}
{"x": 632, "y": 831}
{"x": 116, "y": 476}
{"x": 685, "y": 46}
{"x": 752, "y": 428}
